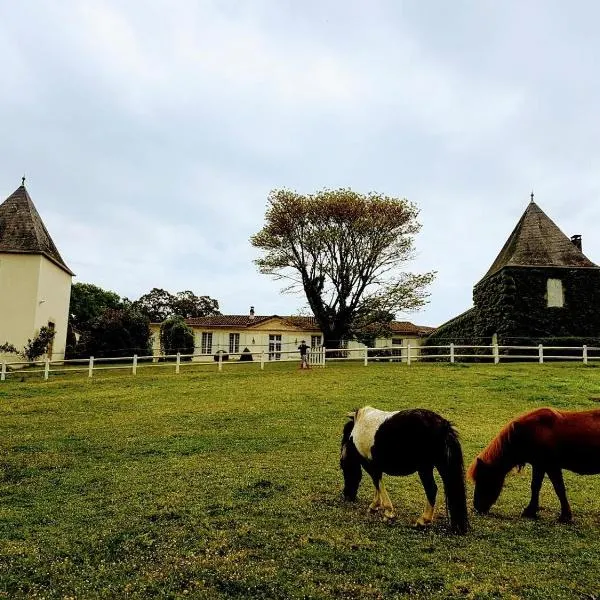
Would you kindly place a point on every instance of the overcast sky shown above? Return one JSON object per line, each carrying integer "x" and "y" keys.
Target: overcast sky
{"x": 151, "y": 132}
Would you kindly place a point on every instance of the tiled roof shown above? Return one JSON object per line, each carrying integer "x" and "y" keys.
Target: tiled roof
{"x": 408, "y": 328}
{"x": 537, "y": 241}
{"x": 305, "y": 323}
{"x": 22, "y": 229}
{"x": 243, "y": 321}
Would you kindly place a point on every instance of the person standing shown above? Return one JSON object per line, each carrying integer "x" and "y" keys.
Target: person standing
{"x": 303, "y": 348}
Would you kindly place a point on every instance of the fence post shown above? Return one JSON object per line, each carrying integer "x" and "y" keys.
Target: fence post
{"x": 366, "y": 356}
{"x": 46, "y": 367}
{"x": 220, "y": 361}
{"x": 3, "y": 373}
{"x": 451, "y": 352}
{"x": 91, "y": 367}
{"x": 262, "y": 359}
{"x": 585, "y": 357}
{"x": 177, "y": 363}
{"x": 134, "y": 366}
{"x": 496, "y": 353}
{"x": 408, "y": 353}
{"x": 541, "y": 353}
{"x": 323, "y": 356}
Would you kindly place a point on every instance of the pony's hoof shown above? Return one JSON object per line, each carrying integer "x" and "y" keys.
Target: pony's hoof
{"x": 422, "y": 524}
{"x": 529, "y": 514}
{"x": 389, "y": 518}
{"x": 565, "y": 519}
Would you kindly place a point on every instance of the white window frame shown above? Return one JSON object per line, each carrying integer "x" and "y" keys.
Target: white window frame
{"x": 555, "y": 293}
{"x": 207, "y": 342}
{"x": 234, "y": 343}
{"x": 316, "y": 341}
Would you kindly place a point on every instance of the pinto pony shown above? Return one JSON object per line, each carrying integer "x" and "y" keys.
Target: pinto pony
{"x": 549, "y": 440}
{"x": 401, "y": 443}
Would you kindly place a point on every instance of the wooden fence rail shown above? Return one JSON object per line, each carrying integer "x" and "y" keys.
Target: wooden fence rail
{"x": 318, "y": 357}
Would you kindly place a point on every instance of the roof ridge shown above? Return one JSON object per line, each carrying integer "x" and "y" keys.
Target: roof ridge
{"x": 23, "y": 231}
{"x": 536, "y": 240}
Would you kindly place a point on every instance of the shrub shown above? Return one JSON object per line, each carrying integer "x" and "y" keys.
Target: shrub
{"x": 246, "y": 355}
{"x": 222, "y": 354}
{"x": 176, "y": 336}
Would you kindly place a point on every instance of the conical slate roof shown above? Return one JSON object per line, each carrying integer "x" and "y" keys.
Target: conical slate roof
{"x": 537, "y": 241}
{"x": 22, "y": 229}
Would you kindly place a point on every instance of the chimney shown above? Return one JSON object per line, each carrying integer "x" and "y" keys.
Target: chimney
{"x": 576, "y": 239}
{"x": 251, "y": 313}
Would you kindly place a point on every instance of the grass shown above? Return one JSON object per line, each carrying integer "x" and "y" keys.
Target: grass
{"x": 226, "y": 485}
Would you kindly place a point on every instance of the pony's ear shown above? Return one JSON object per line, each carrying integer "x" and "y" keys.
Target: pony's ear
{"x": 352, "y": 414}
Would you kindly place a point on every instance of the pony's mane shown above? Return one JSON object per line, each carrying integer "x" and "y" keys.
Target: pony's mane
{"x": 494, "y": 450}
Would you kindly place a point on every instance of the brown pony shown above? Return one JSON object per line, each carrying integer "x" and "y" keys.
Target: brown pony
{"x": 549, "y": 440}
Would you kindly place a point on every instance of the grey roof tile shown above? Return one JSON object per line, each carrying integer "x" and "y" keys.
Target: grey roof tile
{"x": 22, "y": 229}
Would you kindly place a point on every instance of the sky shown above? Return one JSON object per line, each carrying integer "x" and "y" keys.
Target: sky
{"x": 151, "y": 132}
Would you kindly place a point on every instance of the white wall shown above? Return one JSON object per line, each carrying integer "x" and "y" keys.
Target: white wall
{"x": 33, "y": 291}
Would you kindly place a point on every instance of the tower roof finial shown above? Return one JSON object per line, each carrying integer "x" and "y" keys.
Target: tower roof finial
{"x": 23, "y": 180}
{"x": 532, "y": 195}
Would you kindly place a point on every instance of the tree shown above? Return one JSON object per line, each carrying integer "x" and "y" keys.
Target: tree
{"x": 176, "y": 336}
{"x": 117, "y": 332}
{"x": 88, "y": 301}
{"x": 344, "y": 250}
{"x": 187, "y": 305}
{"x": 158, "y": 305}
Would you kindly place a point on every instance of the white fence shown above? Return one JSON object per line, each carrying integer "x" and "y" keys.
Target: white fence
{"x": 318, "y": 357}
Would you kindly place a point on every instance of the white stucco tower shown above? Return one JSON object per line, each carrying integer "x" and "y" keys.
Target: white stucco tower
{"x": 35, "y": 282}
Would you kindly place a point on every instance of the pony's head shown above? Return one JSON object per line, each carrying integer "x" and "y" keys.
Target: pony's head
{"x": 489, "y": 480}
{"x": 349, "y": 461}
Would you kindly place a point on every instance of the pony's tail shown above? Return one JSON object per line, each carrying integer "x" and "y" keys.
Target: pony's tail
{"x": 452, "y": 471}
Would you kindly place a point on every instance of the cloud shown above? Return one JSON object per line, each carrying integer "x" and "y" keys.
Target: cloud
{"x": 151, "y": 132}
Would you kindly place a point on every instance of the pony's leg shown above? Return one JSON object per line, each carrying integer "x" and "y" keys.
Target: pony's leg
{"x": 556, "y": 477}
{"x": 376, "y": 503}
{"x": 532, "y": 508}
{"x": 386, "y": 503}
{"x": 431, "y": 492}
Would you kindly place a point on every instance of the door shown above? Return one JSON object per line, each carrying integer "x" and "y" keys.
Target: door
{"x": 274, "y": 347}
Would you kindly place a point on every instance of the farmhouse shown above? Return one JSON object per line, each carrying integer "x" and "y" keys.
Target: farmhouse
{"x": 278, "y": 337}
{"x": 35, "y": 282}
{"x": 540, "y": 287}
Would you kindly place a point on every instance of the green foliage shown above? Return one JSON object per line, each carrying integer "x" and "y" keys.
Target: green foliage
{"x": 88, "y": 301}
{"x": 344, "y": 251}
{"x": 38, "y": 346}
{"x": 120, "y": 332}
{"x": 176, "y": 336}
{"x": 158, "y": 305}
{"x": 8, "y": 348}
{"x": 227, "y": 485}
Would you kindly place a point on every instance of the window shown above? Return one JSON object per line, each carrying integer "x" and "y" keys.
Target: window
{"x": 234, "y": 343}
{"x": 555, "y": 294}
{"x": 274, "y": 347}
{"x": 397, "y": 346}
{"x": 315, "y": 341}
{"x": 206, "y": 342}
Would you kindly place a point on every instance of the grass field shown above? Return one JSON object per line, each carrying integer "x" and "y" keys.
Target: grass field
{"x": 226, "y": 485}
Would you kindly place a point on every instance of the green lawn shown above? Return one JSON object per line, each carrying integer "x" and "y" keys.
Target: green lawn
{"x": 226, "y": 485}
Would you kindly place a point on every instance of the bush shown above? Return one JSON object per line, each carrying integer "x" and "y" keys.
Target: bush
{"x": 116, "y": 332}
{"x": 222, "y": 354}
{"x": 246, "y": 355}
{"x": 176, "y": 336}
{"x": 39, "y": 344}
